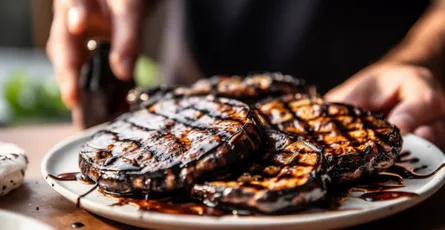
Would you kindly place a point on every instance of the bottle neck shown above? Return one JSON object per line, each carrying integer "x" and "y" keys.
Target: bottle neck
{"x": 102, "y": 96}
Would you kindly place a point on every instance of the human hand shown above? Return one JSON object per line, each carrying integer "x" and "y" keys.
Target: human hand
{"x": 75, "y": 21}
{"x": 409, "y": 94}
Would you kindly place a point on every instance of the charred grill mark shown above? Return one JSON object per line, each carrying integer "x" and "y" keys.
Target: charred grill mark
{"x": 338, "y": 125}
{"x": 341, "y": 129}
{"x": 113, "y": 159}
{"x": 361, "y": 118}
{"x": 306, "y": 125}
{"x": 107, "y": 132}
{"x": 380, "y": 138}
{"x": 213, "y": 115}
{"x": 292, "y": 152}
{"x": 275, "y": 127}
{"x": 310, "y": 132}
{"x": 116, "y": 138}
{"x": 189, "y": 123}
{"x": 358, "y": 116}
{"x": 294, "y": 155}
{"x": 295, "y": 82}
{"x": 140, "y": 127}
{"x": 110, "y": 160}
{"x": 213, "y": 131}
{"x": 229, "y": 103}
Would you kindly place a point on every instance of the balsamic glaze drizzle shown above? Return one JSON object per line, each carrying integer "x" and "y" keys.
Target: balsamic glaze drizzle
{"x": 386, "y": 195}
{"x": 375, "y": 188}
{"x": 77, "y": 225}
{"x": 85, "y": 194}
{"x": 71, "y": 176}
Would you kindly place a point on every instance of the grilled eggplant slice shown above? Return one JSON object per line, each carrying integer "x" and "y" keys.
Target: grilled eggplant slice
{"x": 355, "y": 142}
{"x": 249, "y": 89}
{"x": 289, "y": 176}
{"x": 170, "y": 144}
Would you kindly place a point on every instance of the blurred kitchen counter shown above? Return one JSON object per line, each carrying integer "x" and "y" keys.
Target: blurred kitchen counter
{"x": 37, "y": 199}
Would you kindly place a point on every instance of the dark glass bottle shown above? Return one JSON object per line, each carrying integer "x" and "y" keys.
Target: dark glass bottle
{"x": 102, "y": 96}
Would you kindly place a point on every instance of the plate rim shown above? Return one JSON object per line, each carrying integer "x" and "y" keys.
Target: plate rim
{"x": 31, "y": 220}
{"x": 355, "y": 217}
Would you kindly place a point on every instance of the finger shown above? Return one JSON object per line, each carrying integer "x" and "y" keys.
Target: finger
{"x": 67, "y": 53}
{"x": 77, "y": 118}
{"x": 352, "y": 92}
{"x": 88, "y": 17}
{"x": 126, "y": 19}
{"x": 377, "y": 87}
{"x": 410, "y": 90}
{"x": 394, "y": 84}
{"x": 420, "y": 104}
{"x": 433, "y": 132}
{"x": 366, "y": 90}
{"x": 76, "y": 15}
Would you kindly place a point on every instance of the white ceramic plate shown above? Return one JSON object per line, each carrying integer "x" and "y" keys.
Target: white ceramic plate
{"x": 10, "y": 220}
{"x": 64, "y": 157}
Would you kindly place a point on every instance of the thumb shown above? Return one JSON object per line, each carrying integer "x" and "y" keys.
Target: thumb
{"x": 417, "y": 110}
{"x": 77, "y": 17}
{"x": 127, "y": 19}
{"x": 409, "y": 91}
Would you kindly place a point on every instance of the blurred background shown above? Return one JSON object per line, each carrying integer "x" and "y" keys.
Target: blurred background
{"x": 28, "y": 89}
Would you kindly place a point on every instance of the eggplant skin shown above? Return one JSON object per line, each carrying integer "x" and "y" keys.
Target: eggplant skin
{"x": 170, "y": 145}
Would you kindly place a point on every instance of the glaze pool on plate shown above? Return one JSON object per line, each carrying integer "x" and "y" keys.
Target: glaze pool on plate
{"x": 64, "y": 157}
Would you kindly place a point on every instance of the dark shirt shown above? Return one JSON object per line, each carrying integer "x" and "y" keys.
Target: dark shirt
{"x": 322, "y": 41}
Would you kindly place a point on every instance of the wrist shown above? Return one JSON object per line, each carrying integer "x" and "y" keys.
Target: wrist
{"x": 424, "y": 45}
{"x": 417, "y": 55}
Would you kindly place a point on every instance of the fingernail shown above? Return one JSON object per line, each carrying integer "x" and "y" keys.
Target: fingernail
{"x": 76, "y": 16}
{"x": 122, "y": 66}
{"x": 404, "y": 121}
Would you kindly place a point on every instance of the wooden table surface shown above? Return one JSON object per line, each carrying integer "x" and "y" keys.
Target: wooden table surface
{"x": 38, "y": 200}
